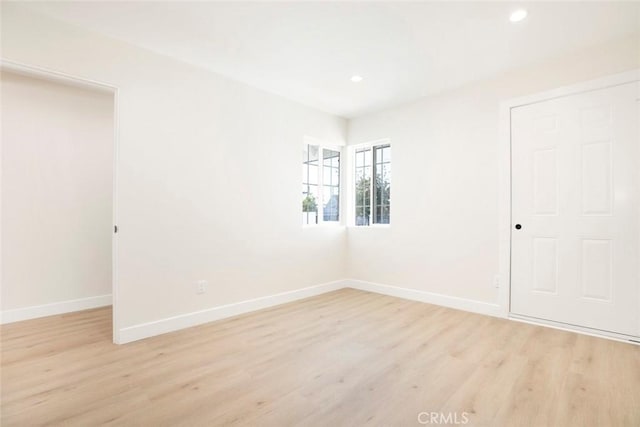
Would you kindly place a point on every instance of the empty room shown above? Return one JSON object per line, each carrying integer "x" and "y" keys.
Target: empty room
{"x": 306, "y": 213}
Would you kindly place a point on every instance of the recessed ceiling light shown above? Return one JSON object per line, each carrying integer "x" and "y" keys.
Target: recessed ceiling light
{"x": 518, "y": 15}
{"x": 356, "y": 79}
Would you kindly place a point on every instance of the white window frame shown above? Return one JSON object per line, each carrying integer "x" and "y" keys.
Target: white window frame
{"x": 341, "y": 210}
{"x": 351, "y": 182}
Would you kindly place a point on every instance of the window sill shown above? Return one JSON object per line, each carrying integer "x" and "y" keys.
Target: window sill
{"x": 323, "y": 225}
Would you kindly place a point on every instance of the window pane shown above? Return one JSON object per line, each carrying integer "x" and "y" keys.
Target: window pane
{"x": 331, "y": 208}
{"x": 330, "y": 156}
{"x": 313, "y": 174}
{"x": 326, "y": 193}
{"x": 309, "y": 184}
{"x": 363, "y": 192}
{"x": 386, "y": 155}
{"x": 331, "y": 185}
{"x": 382, "y": 184}
{"x": 327, "y": 175}
{"x": 372, "y": 182}
{"x": 310, "y": 206}
{"x": 362, "y": 215}
{"x": 313, "y": 152}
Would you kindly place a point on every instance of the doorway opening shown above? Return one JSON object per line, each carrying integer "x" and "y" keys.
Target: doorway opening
{"x": 58, "y": 210}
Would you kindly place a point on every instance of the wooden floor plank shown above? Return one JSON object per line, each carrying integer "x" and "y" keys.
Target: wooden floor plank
{"x": 346, "y": 358}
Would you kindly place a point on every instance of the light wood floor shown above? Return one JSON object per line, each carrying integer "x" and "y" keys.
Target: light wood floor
{"x": 347, "y": 358}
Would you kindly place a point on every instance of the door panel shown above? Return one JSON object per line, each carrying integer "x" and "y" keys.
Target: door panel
{"x": 575, "y": 191}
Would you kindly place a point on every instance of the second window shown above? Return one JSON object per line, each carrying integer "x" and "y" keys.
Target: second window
{"x": 372, "y": 184}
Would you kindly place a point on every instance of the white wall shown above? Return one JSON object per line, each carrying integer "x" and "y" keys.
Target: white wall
{"x": 199, "y": 155}
{"x": 57, "y": 162}
{"x": 445, "y": 186}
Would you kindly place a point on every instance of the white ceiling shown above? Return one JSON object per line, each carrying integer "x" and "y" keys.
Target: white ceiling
{"x": 307, "y": 51}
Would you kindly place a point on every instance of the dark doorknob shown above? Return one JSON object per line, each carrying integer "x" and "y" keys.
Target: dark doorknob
{"x": 518, "y": 226}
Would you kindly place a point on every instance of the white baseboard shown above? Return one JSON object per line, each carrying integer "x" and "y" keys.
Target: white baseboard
{"x": 146, "y": 330}
{"x": 33, "y": 312}
{"x": 150, "y": 329}
{"x": 428, "y": 297}
{"x": 162, "y": 326}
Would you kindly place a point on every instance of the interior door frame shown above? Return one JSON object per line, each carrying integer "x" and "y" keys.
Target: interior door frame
{"x": 505, "y": 208}
{"x": 68, "y": 79}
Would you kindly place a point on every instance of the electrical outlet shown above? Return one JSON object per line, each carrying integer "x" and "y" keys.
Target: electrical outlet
{"x": 201, "y": 286}
{"x": 496, "y": 281}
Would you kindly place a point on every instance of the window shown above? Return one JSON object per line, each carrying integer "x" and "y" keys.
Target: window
{"x": 331, "y": 185}
{"x": 363, "y": 186}
{"x": 310, "y": 184}
{"x": 320, "y": 184}
{"x": 372, "y": 178}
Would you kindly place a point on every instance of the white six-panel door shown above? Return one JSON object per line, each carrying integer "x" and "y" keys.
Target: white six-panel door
{"x": 575, "y": 209}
